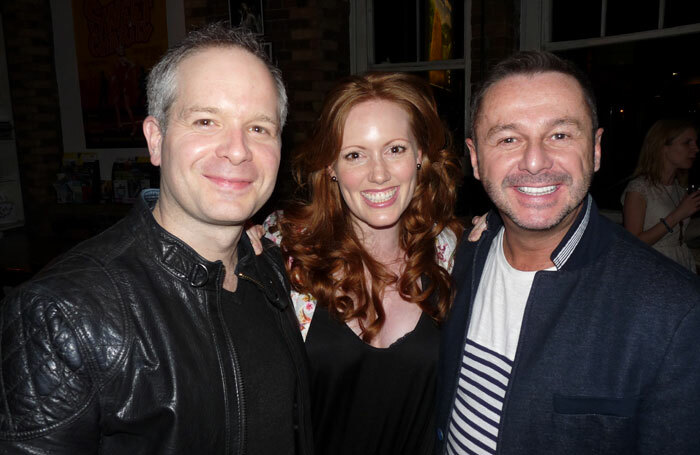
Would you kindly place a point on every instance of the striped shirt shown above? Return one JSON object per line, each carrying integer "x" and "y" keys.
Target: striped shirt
{"x": 477, "y": 409}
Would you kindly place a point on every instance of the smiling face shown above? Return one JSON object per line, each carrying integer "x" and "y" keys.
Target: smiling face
{"x": 535, "y": 151}
{"x": 377, "y": 164}
{"x": 680, "y": 153}
{"x": 220, "y": 155}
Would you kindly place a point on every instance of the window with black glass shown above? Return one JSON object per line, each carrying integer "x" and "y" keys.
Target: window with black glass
{"x": 426, "y": 38}
{"x": 631, "y": 16}
{"x": 571, "y": 21}
{"x": 417, "y": 31}
{"x": 575, "y": 20}
{"x": 449, "y": 95}
{"x": 637, "y": 83}
{"x": 641, "y": 65}
{"x": 395, "y": 34}
{"x": 681, "y": 12}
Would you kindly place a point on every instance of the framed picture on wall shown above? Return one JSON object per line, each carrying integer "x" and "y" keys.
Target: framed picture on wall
{"x": 247, "y": 14}
{"x": 99, "y": 52}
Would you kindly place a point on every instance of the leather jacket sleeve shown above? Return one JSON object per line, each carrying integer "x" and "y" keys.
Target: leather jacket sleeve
{"x": 47, "y": 389}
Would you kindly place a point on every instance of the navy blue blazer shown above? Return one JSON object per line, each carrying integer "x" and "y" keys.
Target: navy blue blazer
{"x": 608, "y": 360}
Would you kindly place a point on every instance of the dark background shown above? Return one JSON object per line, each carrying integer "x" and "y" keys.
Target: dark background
{"x": 636, "y": 83}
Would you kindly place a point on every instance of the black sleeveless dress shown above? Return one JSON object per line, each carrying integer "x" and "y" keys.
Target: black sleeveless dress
{"x": 368, "y": 400}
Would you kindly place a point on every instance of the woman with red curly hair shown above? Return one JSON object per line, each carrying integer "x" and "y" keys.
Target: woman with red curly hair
{"x": 369, "y": 254}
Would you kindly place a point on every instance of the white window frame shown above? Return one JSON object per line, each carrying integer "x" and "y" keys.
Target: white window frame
{"x": 536, "y": 19}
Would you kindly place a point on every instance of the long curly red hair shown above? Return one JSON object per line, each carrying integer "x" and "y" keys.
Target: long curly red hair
{"x": 328, "y": 260}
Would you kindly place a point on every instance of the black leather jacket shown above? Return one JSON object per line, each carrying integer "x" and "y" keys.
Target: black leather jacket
{"x": 119, "y": 347}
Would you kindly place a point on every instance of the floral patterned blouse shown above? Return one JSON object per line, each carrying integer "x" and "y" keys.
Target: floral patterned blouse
{"x": 305, "y": 304}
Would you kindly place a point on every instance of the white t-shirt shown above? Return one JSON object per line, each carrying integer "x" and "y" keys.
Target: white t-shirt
{"x": 492, "y": 340}
{"x": 499, "y": 303}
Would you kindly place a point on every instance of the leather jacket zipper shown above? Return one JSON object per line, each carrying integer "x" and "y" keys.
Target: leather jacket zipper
{"x": 252, "y": 280}
{"x": 270, "y": 295}
{"x": 241, "y": 400}
{"x": 238, "y": 376}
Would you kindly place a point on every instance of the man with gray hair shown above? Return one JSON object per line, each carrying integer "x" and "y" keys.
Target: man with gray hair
{"x": 166, "y": 333}
{"x": 567, "y": 334}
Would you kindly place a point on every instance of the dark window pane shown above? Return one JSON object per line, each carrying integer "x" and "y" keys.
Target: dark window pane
{"x": 575, "y": 20}
{"x": 637, "y": 83}
{"x": 681, "y": 12}
{"x": 629, "y": 16}
{"x": 394, "y": 31}
{"x": 437, "y": 35}
{"x": 448, "y": 88}
{"x": 442, "y": 31}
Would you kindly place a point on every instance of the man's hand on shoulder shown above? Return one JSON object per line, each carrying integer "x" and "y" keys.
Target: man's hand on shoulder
{"x": 255, "y": 234}
{"x": 478, "y": 227}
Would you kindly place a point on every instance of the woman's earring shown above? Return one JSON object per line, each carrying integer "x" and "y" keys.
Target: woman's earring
{"x": 418, "y": 166}
{"x": 334, "y": 178}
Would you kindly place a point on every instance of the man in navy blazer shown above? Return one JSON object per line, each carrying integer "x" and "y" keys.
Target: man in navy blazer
{"x": 567, "y": 334}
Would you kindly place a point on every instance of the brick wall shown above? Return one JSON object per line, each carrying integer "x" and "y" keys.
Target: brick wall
{"x": 310, "y": 42}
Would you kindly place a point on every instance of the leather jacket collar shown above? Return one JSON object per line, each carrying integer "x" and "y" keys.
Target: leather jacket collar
{"x": 188, "y": 265}
{"x": 172, "y": 253}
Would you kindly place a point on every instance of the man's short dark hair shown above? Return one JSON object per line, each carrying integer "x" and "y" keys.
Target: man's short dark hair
{"x": 529, "y": 63}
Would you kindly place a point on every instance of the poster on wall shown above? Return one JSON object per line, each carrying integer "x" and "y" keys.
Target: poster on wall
{"x": 247, "y": 14}
{"x": 116, "y": 44}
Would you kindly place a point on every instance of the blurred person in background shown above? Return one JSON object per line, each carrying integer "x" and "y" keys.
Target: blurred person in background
{"x": 656, "y": 206}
